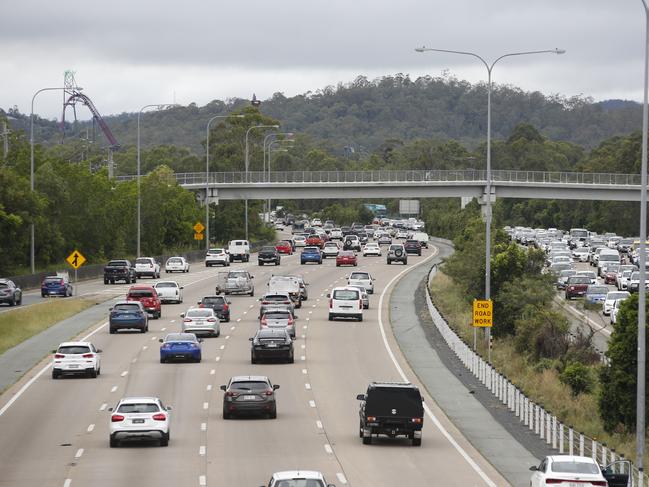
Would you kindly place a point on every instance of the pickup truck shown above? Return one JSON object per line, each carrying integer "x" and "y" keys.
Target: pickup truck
{"x": 239, "y": 282}
{"x": 119, "y": 270}
{"x": 268, "y": 255}
{"x": 239, "y": 250}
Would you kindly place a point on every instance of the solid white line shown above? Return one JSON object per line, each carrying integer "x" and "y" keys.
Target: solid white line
{"x": 312, "y": 403}
{"x": 203, "y": 426}
{"x": 202, "y": 480}
{"x": 114, "y": 388}
{"x": 206, "y": 405}
{"x": 430, "y": 414}
{"x": 103, "y": 407}
{"x": 79, "y": 453}
{"x": 328, "y": 449}
{"x": 341, "y": 478}
{"x": 319, "y": 424}
{"x": 90, "y": 428}
{"x": 307, "y": 386}
{"x": 201, "y": 450}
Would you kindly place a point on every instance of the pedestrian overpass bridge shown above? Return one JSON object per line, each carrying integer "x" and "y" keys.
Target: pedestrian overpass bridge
{"x": 410, "y": 184}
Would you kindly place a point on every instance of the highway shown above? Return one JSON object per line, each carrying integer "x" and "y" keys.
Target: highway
{"x": 56, "y": 432}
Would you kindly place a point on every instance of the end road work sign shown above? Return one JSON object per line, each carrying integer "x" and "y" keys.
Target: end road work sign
{"x": 482, "y": 312}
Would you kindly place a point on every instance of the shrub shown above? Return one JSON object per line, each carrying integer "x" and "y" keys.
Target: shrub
{"x": 577, "y": 376}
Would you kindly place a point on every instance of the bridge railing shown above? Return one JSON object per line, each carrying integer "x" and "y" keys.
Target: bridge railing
{"x": 404, "y": 176}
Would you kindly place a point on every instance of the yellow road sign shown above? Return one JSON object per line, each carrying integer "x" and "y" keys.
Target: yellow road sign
{"x": 198, "y": 236}
{"x": 482, "y": 312}
{"x": 76, "y": 259}
{"x": 198, "y": 228}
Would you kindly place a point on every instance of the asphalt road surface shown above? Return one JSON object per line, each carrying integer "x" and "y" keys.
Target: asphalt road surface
{"x": 56, "y": 432}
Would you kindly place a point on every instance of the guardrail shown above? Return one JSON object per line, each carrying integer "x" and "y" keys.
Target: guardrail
{"x": 404, "y": 176}
{"x": 559, "y": 436}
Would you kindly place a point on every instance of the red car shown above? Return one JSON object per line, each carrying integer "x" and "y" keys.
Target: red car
{"x": 314, "y": 240}
{"x": 346, "y": 257}
{"x": 610, "y": 277}
{"x": 284, "y": 247}
{"x": 148, "y": 296}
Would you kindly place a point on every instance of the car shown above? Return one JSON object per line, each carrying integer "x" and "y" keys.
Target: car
{"x": 180, "y": 346}
{"x": 268, "y": 255}
{"x": 412, "y": 246}
{"x": 298, "y": 478}
{"x": 10, "y": 293}
{"x": 271, "y": 343}
{"x": 563, "y": 276}
{"x": 596, "y": 294}
{"x": 119, "y": 270}
{"x": 201, "y": 320}
{"x": 176, "y": 264}
{"x": 345, "y": 302}
{"x": 74, "y": 358}
{"x": 401, "y": 235}
{"x": 239, "y": 281}
{"x": 315, "y": 240}
{"x": 316, "y": 222}
{"x": 272, "y": 300}
{"x": 362, "y": 279}
{"x": 330, "y": 249}
{"x": 346, "y": 257}
{"x": 633, "y": 283}
{"x": 609, "y": 273}
{"x": 284, "y": 247}
{"x": 217, "y": 256}
{"x": 169, "y": 291}
{"x": 278, "y": 317}
{"x": 422, "y": 238}
{"x": 614, "y": 310}
{"x": 148, "y": 296}
{"x": 352, "y": 242}
{"x": 300, "y": 240}
{"x": 58, "y": 285}
{"x": 311, "y": 254}
{"x": 372, "y": 248}
{"x": 128, "y": 315}
{"x": 363, "y": 236}
{"x": 335, "y": 234}
{"x": 592, "y": 277}
{"x": 279, "y": 225}
{"x": 139, "y": 418}
{"x": 385, "y": 239}
{"x": 580, "y": 254}
{"x": 397, "y": 253}
{"x": 611, "y": 298}
{"x": 249, "y": 394}
{"x": 364, "y": 296}
{"x": 219, "y": 304}
{"x": 391, "y": 409}
{"x": 294, "y": 286}
{"x": 569, "y": 470}
{"x": 147, "y": 266}
{"x": 239, "y": 250}
{"x": 304, "y": 293}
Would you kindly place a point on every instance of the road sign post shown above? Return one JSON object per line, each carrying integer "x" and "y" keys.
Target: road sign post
{"x": 482, "y": 318}
{"x": 198, "y": 229}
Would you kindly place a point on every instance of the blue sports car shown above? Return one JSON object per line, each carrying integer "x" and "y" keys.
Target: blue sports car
{"x": 311, "y": 254}
{"x": 180, "y": 346}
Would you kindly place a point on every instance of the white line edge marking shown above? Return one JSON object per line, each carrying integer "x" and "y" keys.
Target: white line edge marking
{"x": 203, "y": 426}
{"x": 341, "y": 478}
{"x": 328, "y": 449}
{"x": 90, "y": 428}
{"x": 430, "y": 414}
{"x": 27, "y": 385}
{"x": 202, "y": 480}
{"x": 79, "y": 453}
{"x": 319, "y": 424}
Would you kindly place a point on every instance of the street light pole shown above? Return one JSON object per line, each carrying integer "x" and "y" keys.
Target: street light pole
{"x": 640, "y": 386}
{"x": 270, "y": 152}
{"x": 488, "y": 175}
{"x": 159, "y": 106}
{"x": 207, "y": 175}
{"x": 247, "y": 163}
{"x": 286, "y": 134}
{"x": 32, "y": 245}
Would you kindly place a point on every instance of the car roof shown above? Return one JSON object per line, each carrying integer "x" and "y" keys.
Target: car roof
{"x": 135, "y": 399}
{"x": 571, "y": 458}
{"x": 74, "y": 344}
{"x": 401, "y": 385}
{"x": 132, "y": 303}
{"x": 243, "y": 378}
{"x": 140, "y": 287}
{"x": 291, "y": 474}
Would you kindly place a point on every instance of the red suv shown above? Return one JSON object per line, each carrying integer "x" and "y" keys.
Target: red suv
{"x": 148, "y": 296}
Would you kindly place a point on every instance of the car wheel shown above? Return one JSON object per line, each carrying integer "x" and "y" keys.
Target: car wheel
{"x": 291, "y": 359}
{"x": 134, "y": 280}
{"x": 337, "y": 265}
{"x": 416, "y": 442}
{"x": 105, "y": 281}
{"x": 112, "y": 331}
{"x": 143, "y": 330}
{"x": 162, "y": 360}
{"x": 55, "y": 374}
{"x": 360, "y": 429}
{"x": 367, "y": 440}
{"x": 114, "y": 443}
{"x": 331, "y": 317}
{"x": 226, "y": 415}
{"x": 252, "y": 292}
{"x": 13, "y": 301}
{"x": 259, "y": 263}
{"x": 92, "y": 373}
{"x": 273, "y": 414}
{"x": 360, "y": 318}
{"x": 99, "y": 371}
{"x": 164, "y": 440}
{"x": 253, "y": 360}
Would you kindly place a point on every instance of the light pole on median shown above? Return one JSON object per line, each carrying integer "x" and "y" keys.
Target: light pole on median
{"x": 247, "y": 163}
{"x": 640, "y": 386}
{"x": 207, "y": 175}
{"x": 32, "y": 246}
{"x": 488, "y": 175}
{"x": 159, "y": 106}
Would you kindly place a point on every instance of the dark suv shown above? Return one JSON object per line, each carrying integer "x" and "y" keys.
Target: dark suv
{"x": 392, "y": 409}
{"x": 269, "y": 343}
{"x": 412, "y": 247}
{"x": 269, "y": 255}
{"x": 249, "y": 394}
{"x": 219, "y": 304}
{"x": 576, "y": 286}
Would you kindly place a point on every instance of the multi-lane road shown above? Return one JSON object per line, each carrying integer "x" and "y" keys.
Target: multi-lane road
{"x": 56, "y": 432}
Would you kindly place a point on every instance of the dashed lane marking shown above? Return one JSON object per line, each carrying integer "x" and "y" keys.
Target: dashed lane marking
{"x": 217, "y": 359}
{"x": 227, "y": 337}
{"x": 67, "y": 483}
{"x": 124, "y": 374}
{"x": 208, "y": 387}
{"x": 232, "y": 327}
{"x": 304, "y": 371}
{"x": 341, "y": 478}
{"x": 318, "y": 424}
{"x": 202, "y": 480}
{"x": 312, "y": 403}
{"x": 90, "y": 428}
{"x": 201, "y": 450}
{"x": 203, "y": 426}
{"x": 163, "y": 329}
{"x": 144, "y": 347}
{"x": 213, "y": 371}
{"x": 103, "y": 407}
{"x": 307, "y": 386}
{"x": 222, "y": 347}
{"x": 302, "y": 357}
{"x": 206, "y": 405}
{"x": 114, "y": 388}
{"x": 78, "y": 453}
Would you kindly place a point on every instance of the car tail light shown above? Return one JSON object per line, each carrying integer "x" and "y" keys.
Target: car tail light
{"x": 225, "y": 307}
{"x": 88, "y": 355}
{"x": 116, "y": 418}
{"x": 201, "y": 305}
{"x": 187, "y": 320}
{"x": 331, "y": 303}
{"x": 268, "y": 392}
{"x": 417, "y": 420}
{"x": 59, "y": 355}
{"x": 212, "y": 320}
{"x": 159, "y": 417}
{"x": 371, "y": 418}
{"x": 290, "y": 321}
{"x": 232, "y": 394}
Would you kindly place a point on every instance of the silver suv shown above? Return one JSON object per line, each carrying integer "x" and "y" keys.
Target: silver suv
{"x": 397, "y": 253}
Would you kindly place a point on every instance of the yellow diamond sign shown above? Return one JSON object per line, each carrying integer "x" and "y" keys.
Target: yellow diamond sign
{"x": 76, "y": 259}
{"x": 482, "y": 312}
{"x": 198, "y": 228}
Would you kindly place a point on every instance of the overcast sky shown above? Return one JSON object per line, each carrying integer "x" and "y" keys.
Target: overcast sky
{"x": 130, "y": 53}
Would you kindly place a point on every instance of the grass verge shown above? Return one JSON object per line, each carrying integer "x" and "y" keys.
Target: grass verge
{"x": 540, "y": 384}
{"x": 18, "y": 325}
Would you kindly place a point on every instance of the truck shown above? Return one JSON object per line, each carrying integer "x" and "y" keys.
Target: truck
{"x": 286, "y": 285}
{"x": 119, "y": 270}
{"x": 239, "y": 250}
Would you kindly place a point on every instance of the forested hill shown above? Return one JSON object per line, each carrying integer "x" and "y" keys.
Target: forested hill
{"x": 365, "y": 113}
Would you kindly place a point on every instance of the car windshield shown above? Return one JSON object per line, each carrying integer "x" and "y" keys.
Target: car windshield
{"x": 249, "y": 385}
{"x": 181, "y": 337}
{"x": 74, "y": 349}
{"x": 395, "y": 247}
{"x": 283, "y": 243}
{"x": 214, "y": 300}
{"x": 346, "y": 294}
{"x": 346, "y": 253}
{"x": 140, "y": 293}
{"x": 579, "y": 280}
{"x": 574, "y": 467}
{"x": 268, "y": 249}
{"x": 215, "y": 251}
{"x": 142, "y": 407}
{"x": 143, "y": 261}
{"x": 311, "y": 250}
{"x": 56, "y": 280}
{"x": 175, "y": 260}
{"x": 129, "y": 308}
{"x": 235, "y": 274}
{"x": 166, "y": 284}
{"x": 359, "y": 275}
{"x": 276, "y": 297}
{"x": 199, "y": 313}
{"x": 117, "y": 263}
{"x": 597, "y": 290}
{"x": 299, "y": 483}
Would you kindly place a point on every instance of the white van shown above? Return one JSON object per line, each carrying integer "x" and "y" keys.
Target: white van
{"x": 422, "y": 238}
{"x": 239, "y": 250}
{"x": 345, "y": 302}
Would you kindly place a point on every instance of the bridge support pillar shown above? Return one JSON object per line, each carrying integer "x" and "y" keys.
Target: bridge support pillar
{"x": 483, "y": 201}
{"x": 212, "y": 196}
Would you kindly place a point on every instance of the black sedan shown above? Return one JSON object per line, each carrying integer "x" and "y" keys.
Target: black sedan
{"x": 271, "y": 344}
{"x": 219, "y": 304}
{"x": 249, "y": 394}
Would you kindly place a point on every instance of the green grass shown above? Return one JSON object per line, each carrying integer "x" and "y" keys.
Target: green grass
{"x": 19, "y": 324}
{"x": 543, "y": 387}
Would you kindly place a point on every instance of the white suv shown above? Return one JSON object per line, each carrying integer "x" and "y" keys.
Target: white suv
{"x": 361, "y": 279}
{"x": 217, "y": 257}
{"x": 294, "y": 478}
{"x": 176, "y": 264}
{"x": 147, "y": 266}
{"x": 138, "y": 417}
{"x": 76, "y": 358}
{"x": 345, "y": 302}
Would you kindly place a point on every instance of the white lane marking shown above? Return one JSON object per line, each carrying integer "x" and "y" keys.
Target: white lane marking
{"x": 103, "y": 407}
{"x": 227, "y": 337}
{"x": 252, "y": 306}
{"x": 79, "y": 453}
{"x": 238, "y": 320}
{"x": 153, "y": 338}
{"x": 202, "y": 480}
{"x": 317, "y": 300}
{"x": 312, "y": 307}
{"x": 208, "y": 387}
{"x": 304, "y": 371}
{"x": 304, "y": 337}
{"x": 28, "y": 384}
{"x": 124, "y": 374}
{"x": 311, "y": 312}
{"x": 322, "y": 295}
{"x": 341, "y": 478}
{"x": 328, "y": 449}
{"x": 201, "y": 450}
{"x": 90, "y": 428}
{"x": 203, "y": 426}
{"x": 304, "y": 327}
{"x": 134, "y": 360}
{"x": 213, "y": 371}
{"x": 217, "y": 359}
{"x": 206, "y": 405}
{"x": 312, "y": 403}
{"x": 114, "y": 388}
{"x": 430, "y": 414}
{"x": 144, "y": 347}
{"x": 245, "y": 312}
{"x": 163, "y": 329}
{"x": 307, "y": 386}
{"x": 173, "y": 321}
{"x": 232, "y": 327}
{"x": 303, "y": 346}
{"x": 319, "y": 424}
{"x": 67, "y": 483}
{"x": 222, "y": 347}
{"x": 302, "y": 357}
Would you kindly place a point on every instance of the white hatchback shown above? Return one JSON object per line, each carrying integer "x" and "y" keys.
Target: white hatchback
{"x": 611, "y": 297}
{"x": 176, "y": 264}
{"x": 362, "y": 279}
{"x": 330, "y": 249}
{"x": 300, "y": 240}
{"x": 372, "y": 248}
{"x": 169, "y": 291}
{"x": 139, "y": 417}
{"x": 73, "y": 358}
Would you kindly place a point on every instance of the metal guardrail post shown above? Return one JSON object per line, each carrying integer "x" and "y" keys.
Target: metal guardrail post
{"x": 593, "y": 449}
{"x": 541, "y": 423}
{"x": 548, "y": 428}
{"x": 604, "y": 456}
{"x": 571, "y": 440}
{"x": 581, "y": 444}
{"x": 554, "y": 432}
{"x": 561, "y": 438}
